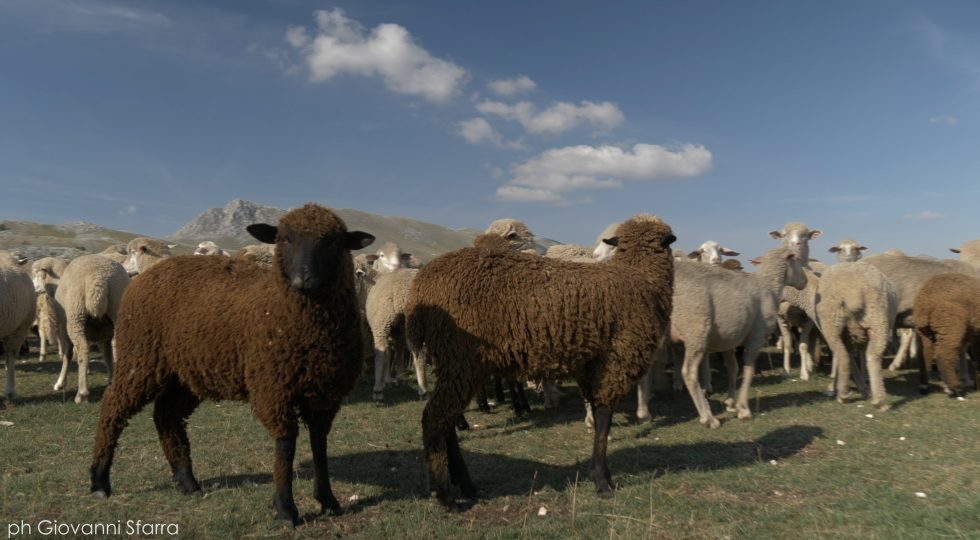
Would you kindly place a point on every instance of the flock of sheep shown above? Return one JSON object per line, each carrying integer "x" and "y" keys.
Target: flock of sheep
{"x": 610, "y": 316}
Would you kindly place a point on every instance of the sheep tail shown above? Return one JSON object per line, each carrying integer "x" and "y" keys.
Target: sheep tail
{"x": 96, "y": 298}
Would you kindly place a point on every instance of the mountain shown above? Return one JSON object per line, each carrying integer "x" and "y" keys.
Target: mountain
{"x": 69, "y": 240}
{"x": 226, "y": 227}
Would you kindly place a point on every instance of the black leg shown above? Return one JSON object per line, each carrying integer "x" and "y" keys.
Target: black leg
{"x": 319, "y": 423}
{"x": 481, "y": 399}
{"x": 459, "y": 475}
{"x": 599, "y": 469}
{"x": 461, "y": 423}
{"x": 498, "y": 389}
{"x": 282, "y": 475}
{"x": 170, "y": 413}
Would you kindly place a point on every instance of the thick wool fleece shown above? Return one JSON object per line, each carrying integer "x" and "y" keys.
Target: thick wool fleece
{"x": 947, "y": 317}
{"x": 290, "y": 353}
{"x": 17, "y": 309}
{"x": 482, "y": 311}
{"x": 568, "y": 252}
{"x": 907, "y": 274}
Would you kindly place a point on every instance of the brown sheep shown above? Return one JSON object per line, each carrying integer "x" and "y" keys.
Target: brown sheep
{"x": 480, "y": 311}
{"x": 947, "y": 318}
{"x": 290, "y": 346}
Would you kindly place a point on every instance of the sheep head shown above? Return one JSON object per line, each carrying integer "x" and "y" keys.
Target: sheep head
{"x": 848, "y": 251}
{"x": 711, "y": 252}
{"x": 310, "y": 243}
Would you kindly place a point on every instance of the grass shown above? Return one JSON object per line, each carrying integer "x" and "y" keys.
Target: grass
{"x": 805, "y": 466}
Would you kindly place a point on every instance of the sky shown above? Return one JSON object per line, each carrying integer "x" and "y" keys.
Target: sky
{"x": 727, "y": 119}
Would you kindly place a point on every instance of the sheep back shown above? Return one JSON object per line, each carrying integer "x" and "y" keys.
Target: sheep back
{"x": 217, "y": 324}
{"x": 17, "y": 307}
{"x": 386, "y": 302}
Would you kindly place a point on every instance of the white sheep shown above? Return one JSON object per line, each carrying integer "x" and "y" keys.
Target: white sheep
{"x": 46, "y": 273}
{"x": 711, "y": 253}
{"x": 796, "y": 236}
{"x": 143, "y": 252}
{"x": 568, "y": 252}
{"x": 208, "y": 247}
{"x": 17, "y": 310}
{"x": 516, "y": 233}
{"x": 855, "y": 309}
{"x": 848, "y": 250}
{"x": 260, "y": 253}
{"x": 116, "y": 252}
{"x": 385, "y": 310}
{"x": 969, "y": 253}
{"x": 717, "y": 310}
{"x": 87, "y": 301}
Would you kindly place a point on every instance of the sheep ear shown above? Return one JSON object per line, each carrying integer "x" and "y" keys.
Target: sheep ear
{"x": 171, "y": 246}
{"x": 834, "y": 249}
{"x": 776, "y": 234}
{"x": 815, "y": 233}
{"x": 696, "y": 254}
{"x": 954, "y": 250}
{"x": 862, "y": 248}
{"x": 667, "y": 241}
{"x": 372, "y": 257}
{"x": 355, "y": 240}
{"x": 729, "y": 252}
{"x": 22, "y": 261}
{"x": 613, "y": 241}
{"x": 756, "y": 261}
{"x": 263, "y": 233}
{"x": 406, "y": 256}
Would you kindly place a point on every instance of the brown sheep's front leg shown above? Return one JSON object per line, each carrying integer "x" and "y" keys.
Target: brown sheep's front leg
{"x": 170, "y": 412}
{"x": 319, "y": 423}
{"x": 599, "y": 469}
{"x": 282, "y": 475}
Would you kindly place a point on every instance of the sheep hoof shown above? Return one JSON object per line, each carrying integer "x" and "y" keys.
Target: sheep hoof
{"x": 58, "y": 387}
{"x": 10, "y": 396}
{"x": 100, "y": 494}
{"x": 957, "y": 394}
{"x": 643, "y": 418}
{"x": 882, "y": 406}
{"x": 287, "y": 523}
{"x": 712, "y": 423}
{"x": 379, "y": 397}
{"x": 332, "y": 511}
{"x": 744, "y": 414}
{"x": 81, "y": 398}
{"x": 423, "y": 396}
{"x": 605, "y": 493}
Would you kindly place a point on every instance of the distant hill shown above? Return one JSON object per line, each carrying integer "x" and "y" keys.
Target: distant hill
{"x": 226, "y": 227}
{"x": 69, "y": 240}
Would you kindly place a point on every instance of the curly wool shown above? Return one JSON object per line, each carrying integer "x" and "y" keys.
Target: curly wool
{"x": 947, "y": 317}
{"x": 17, "y": 310}
{"x": 907, "y": 274}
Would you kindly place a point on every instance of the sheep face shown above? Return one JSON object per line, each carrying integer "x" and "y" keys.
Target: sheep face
{"x": 309, "y": 244}
{"x": 142, "y": 253}
{"x": 848, "y": 251}
{"x": 390, "y": 258}
{"x": 603, "y": 251}
{"x": 797, "y": 236}
{"x": 711, "y": 252}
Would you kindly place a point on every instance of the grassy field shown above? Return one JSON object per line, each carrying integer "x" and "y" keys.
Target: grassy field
{"x": 805, "y": 467}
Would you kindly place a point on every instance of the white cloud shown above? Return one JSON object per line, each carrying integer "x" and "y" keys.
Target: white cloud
{"x": 342, "y": 45}
{"x": 545, "y": 177}
{"x": 945, "y": 119}
{"x": 925, "y": 215}
{"x": 558, "y": 118}
{"x": 509, "y": 87}
{"x": 478, "y": 130}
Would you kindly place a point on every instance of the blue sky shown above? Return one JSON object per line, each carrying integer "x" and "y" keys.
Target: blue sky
{"x": 726, "y": 118}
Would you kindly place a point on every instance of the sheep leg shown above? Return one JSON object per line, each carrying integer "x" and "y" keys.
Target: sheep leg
{"x": 418, "y": 361}
{"x": 318, "y": 423}
{"x": 946, "y": 354}
{"x": 672, "y": 353}
{"x": 381, "y": 365}
{"x": 786, "y": 340}
{"x": 905, "y": 336}
{"x": 170, "y": 412}
{"x": 445, "y": 407}
{"x": 806, "y": 361}
{"x": 692, "y": 360}
{"x": 43, "y": 337}
{"x": 8, "y": 351}
{"x": 876, "y": 347}
{"x": 498, "y": 389}
{"x": 925, "y": 365}
{"x": 704, "y": 371}
{"x": 282, "y": 475}
{"x": 731, "y": 366}
{"x": 105, "y": 348}
{"x": 77, "y": 335}
{"x": 481, "y": 399}
{"x": 120, "y": 403}
{"x": 599, "y": 469}
{"x": 748, "y": 372}
{"x": 842, "y": 361}
{"x": 518, "y": 397}
{"x": 458, "y": 473}
{"x": 642, "y": 397}
{"x": 589, "y": 419}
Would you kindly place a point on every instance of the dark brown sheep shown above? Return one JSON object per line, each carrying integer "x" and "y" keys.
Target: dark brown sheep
{"x": 482, "y": 311}
{"x": 947, "y": 317}
{"x": 288, "y": 341}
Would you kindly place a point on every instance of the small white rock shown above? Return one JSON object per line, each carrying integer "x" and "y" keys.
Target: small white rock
{"x": 476, "y": 425}
{"x": 840, "y": 442}
{"x": 869, "y": 415}
{"x": 920, "y": 494}
{"x": 960, "y": 398}
{"x": 773, "y": 462}
{"x": 6, "y": 423}
{"x": 901, "y": 438}
{"x": 542, "y": 511}
{"x": 353, "y": 498}
{"x": 860, "y": 406}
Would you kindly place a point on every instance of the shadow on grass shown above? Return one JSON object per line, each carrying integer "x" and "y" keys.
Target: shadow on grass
{"x": 66, "y": 396}
{"x": 401, "y": 476}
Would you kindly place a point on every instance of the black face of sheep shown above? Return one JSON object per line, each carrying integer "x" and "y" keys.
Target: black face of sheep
{"x": 307, "y": 258}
